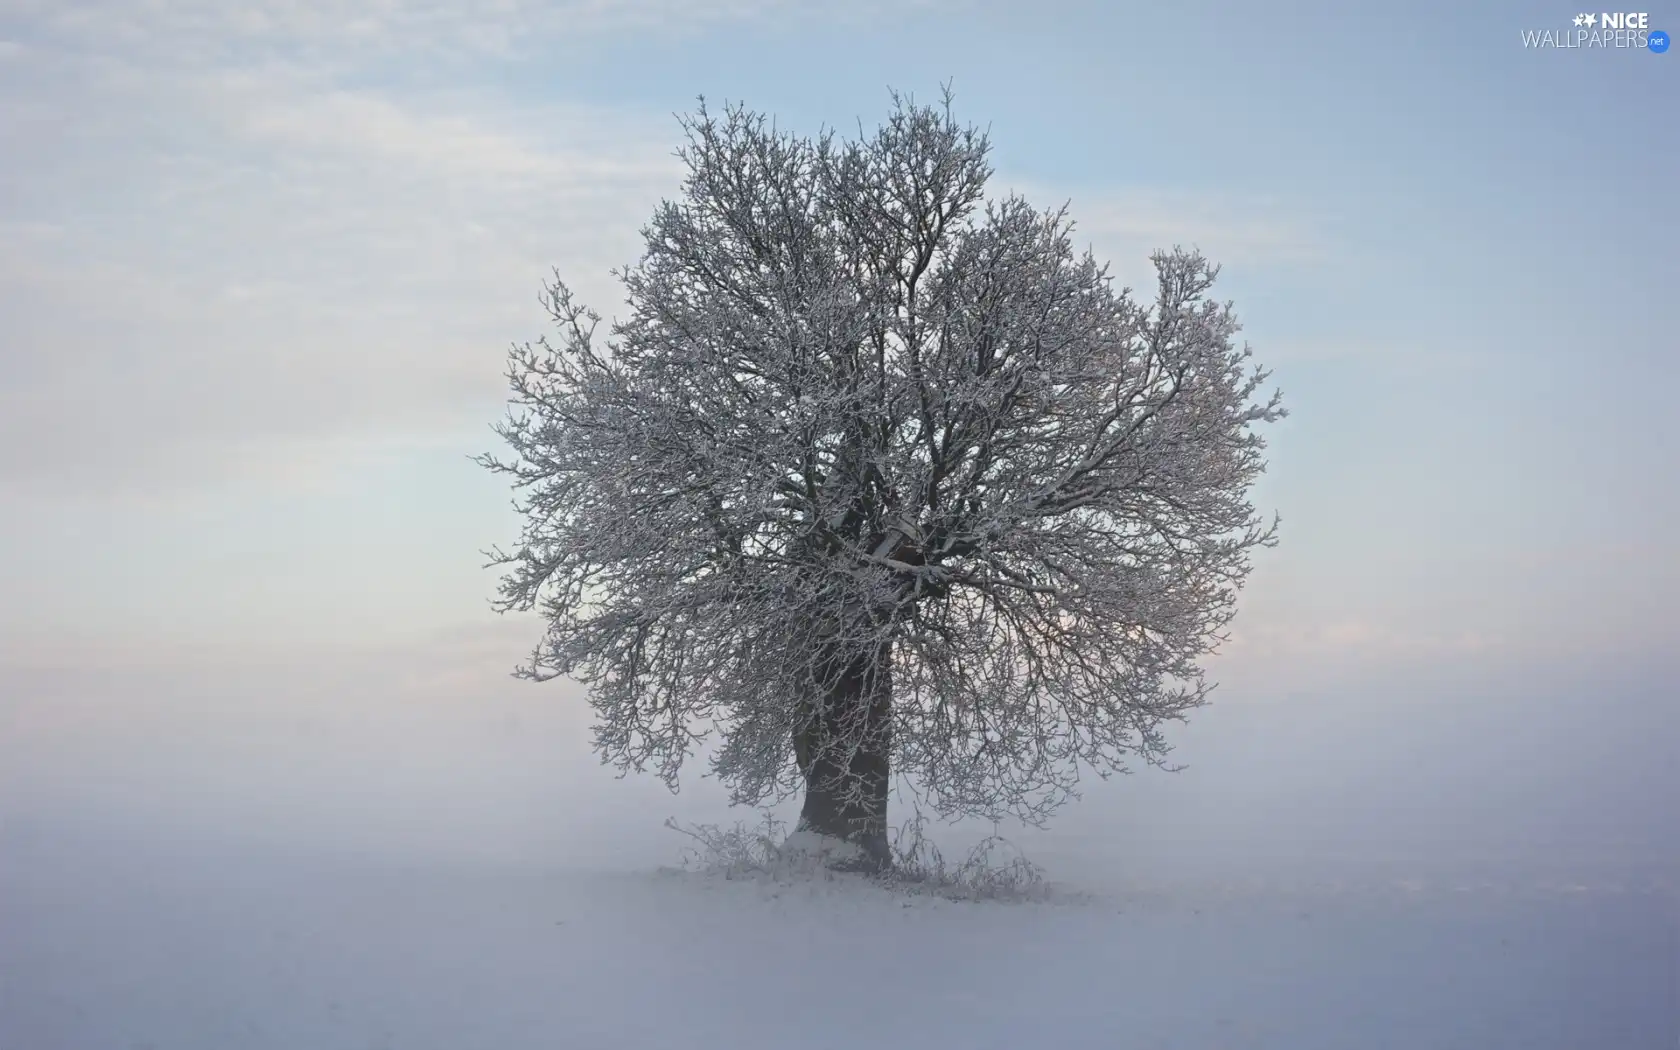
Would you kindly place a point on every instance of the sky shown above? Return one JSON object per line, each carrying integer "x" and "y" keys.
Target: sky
{"x": 259, "y": 271}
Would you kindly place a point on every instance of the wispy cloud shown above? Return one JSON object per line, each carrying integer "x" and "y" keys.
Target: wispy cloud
{"x": 1361, "y": 640}
{"x": 341, "y": 34}
{"x": 1240, "y": 230}
{"x": 1125, "y": 224}
{"x": 195, "y": 264}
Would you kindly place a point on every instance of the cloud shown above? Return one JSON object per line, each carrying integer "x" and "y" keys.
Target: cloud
{"x": 1226, "y": 228}
{"x": 192, "y": 265}
{"x": 345, "y": 34}
{"x": 1126, "y": 224}
{"x": 1508, "y": 606}
{"x": 1357, "y": 639}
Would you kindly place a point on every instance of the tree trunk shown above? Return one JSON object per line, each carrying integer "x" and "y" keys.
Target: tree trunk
{"x": 843, "y": 754}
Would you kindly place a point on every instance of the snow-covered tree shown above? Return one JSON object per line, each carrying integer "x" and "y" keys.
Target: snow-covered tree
{"x": 880, "y": 477}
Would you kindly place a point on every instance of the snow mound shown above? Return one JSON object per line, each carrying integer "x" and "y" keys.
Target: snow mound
{"x": 994, "y": 870}
{"x": 806, "y": 849}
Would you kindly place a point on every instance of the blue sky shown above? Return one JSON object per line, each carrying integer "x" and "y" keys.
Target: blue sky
{"x": 258, "y": 273}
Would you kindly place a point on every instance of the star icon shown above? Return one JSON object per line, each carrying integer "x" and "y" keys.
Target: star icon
{"x": 1580, "y": 20}
{"x": 1592, "y": 20}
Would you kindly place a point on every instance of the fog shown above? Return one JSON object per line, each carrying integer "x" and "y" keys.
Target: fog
{"x": 204, "y": 850}
{"x": 1450, "y": 767}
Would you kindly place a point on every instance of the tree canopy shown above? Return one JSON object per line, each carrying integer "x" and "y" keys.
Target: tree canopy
{"x": 879, "y": 475}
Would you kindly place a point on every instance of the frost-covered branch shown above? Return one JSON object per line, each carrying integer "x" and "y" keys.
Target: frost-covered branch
{"x": 866, "y": 434}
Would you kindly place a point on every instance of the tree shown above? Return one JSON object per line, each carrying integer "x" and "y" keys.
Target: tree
{"x": 878, "y": 477}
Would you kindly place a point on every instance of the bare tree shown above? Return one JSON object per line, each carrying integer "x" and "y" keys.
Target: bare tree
{"x": 881, "y": 477}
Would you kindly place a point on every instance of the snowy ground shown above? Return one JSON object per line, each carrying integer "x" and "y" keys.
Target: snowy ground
{"x": 206, "y": 947}
{"x": 240, "y": 861}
